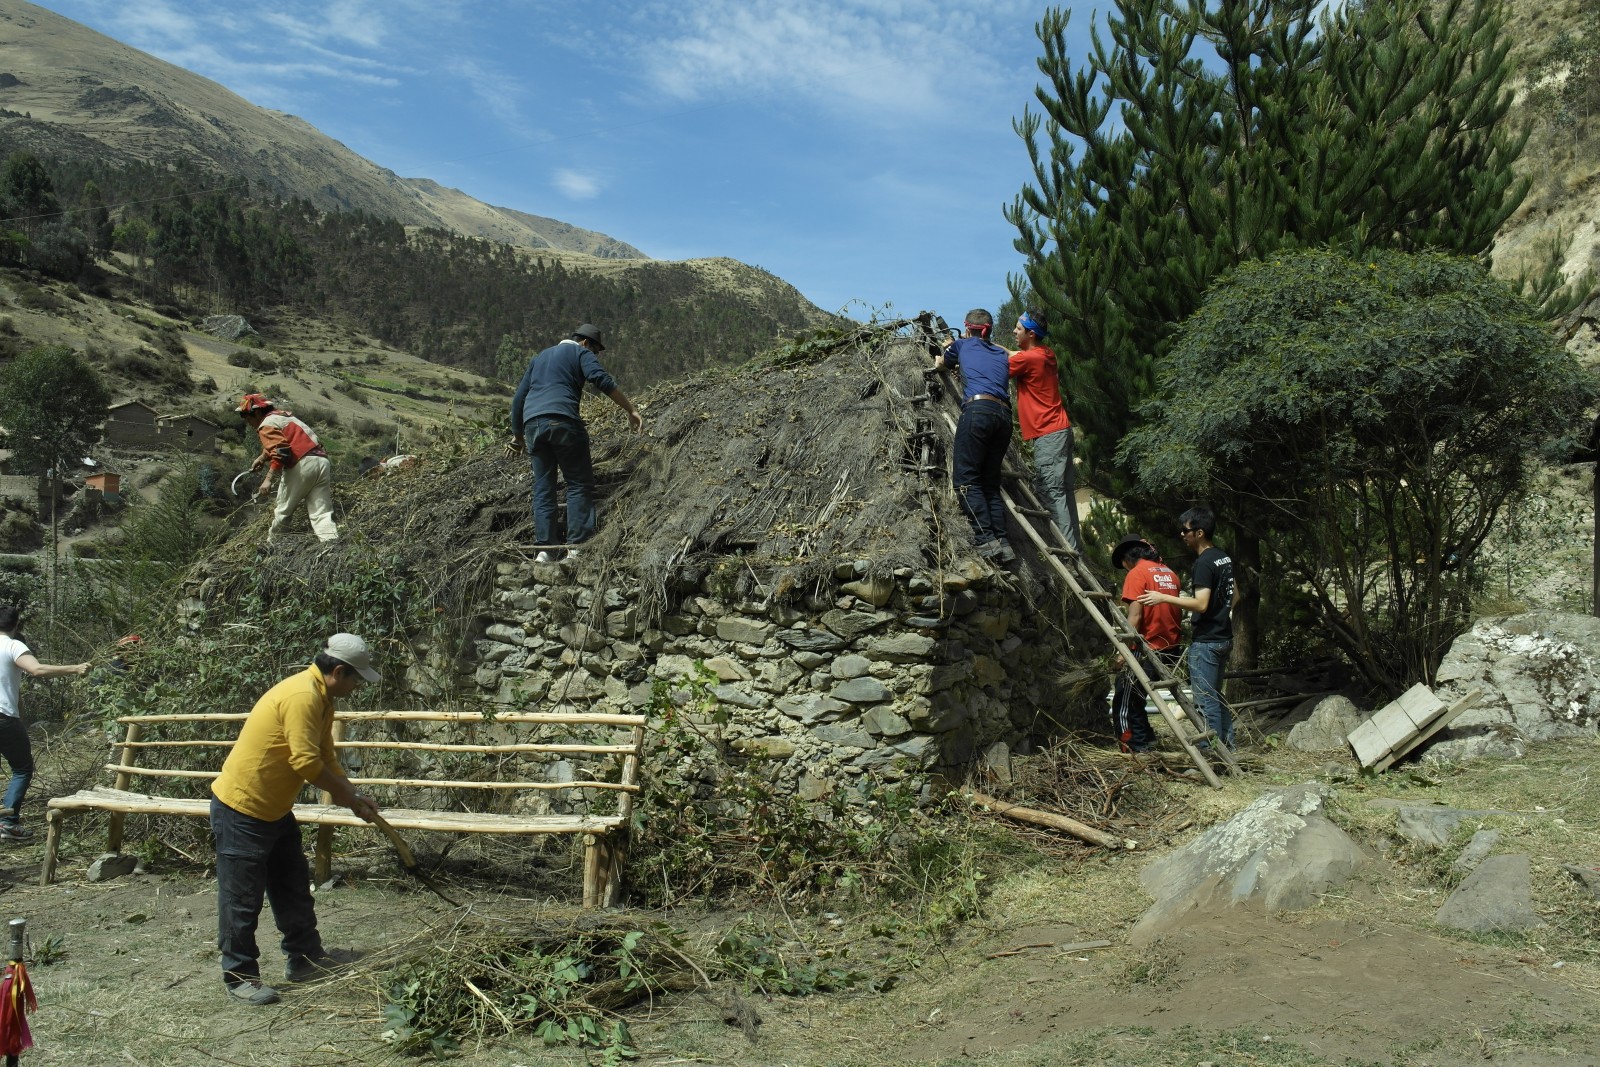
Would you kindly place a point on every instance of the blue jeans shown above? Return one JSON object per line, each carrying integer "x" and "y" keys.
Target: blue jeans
{"x": 1057, "y": 482}
{"x": 1207, "y": 660}
{"x": 556, "y": 441}
{"x": 256, "y": 858}
{"x": 18, "y": 753}
{"x": 976, "y": 462}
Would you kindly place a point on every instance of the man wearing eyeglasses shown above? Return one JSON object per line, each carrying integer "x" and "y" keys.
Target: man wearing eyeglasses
{"x": 1211, "y": 639}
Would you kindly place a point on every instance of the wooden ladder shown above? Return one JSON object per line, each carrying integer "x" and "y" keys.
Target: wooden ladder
{"x": 1160, "y": 685}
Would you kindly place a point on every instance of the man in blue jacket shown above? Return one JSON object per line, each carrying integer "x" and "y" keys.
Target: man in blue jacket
{"x": 545, "y": 421}
{"x": 983, "y": 433}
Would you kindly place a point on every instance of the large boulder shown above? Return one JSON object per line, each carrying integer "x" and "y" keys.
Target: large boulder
{"x": 1539, "y": 674}
{"x": 1328, "y": 727}
{"x": 1279, "y": 853}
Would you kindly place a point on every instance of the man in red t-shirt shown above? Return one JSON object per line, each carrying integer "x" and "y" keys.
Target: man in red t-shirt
{"x": 1157, "y": 624}
{"x": 1043, "y": 419}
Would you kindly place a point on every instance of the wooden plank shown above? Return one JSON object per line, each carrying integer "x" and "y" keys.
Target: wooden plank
{"x": 552, "y": 718}
{"x": 1450, "y": 715}
{"x": 335, "y": 815}
{"x": 1420, "y": 705}
{"x": 422, "y": 746}
{"x": 1394, "y": 725}
{"x": 1368, "y": 743}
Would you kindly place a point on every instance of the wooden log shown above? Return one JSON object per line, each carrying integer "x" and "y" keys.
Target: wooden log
{"x": 1287, "y": 698}
{"x": 1051, "y": 820}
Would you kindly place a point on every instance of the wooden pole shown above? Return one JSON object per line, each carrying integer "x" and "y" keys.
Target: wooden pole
{"x": 1052, "y": 820}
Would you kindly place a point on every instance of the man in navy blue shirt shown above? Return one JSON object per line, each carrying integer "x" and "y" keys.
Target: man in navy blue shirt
{"x": 545, "y": 420}
{"x": 983, "y": 433}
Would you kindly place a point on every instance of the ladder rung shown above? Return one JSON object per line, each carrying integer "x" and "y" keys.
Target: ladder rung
{"x": 1096, "y": 594}
{"x": 1067, "y": 552}
{"x": 1038, "y": 512}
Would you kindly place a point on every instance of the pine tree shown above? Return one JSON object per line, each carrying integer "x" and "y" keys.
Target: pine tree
{"x": 1198, "y": 136}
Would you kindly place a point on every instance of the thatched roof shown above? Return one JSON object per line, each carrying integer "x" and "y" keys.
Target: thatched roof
{"x": 787, "y": 466}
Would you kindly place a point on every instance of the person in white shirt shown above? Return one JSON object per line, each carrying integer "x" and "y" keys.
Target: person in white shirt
{"x": 15, "y": 748}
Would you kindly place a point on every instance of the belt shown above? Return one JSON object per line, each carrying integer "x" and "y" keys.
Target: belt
{"x": 987, "y": 396}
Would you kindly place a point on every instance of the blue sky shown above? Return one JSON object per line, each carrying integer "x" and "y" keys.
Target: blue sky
{"x": 860, "y": 149}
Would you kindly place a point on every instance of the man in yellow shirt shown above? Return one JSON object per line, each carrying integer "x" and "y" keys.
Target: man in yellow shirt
{"x": 286, "y": 744}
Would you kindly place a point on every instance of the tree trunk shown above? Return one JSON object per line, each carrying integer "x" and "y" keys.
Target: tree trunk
{"x": 1246, "y": 552}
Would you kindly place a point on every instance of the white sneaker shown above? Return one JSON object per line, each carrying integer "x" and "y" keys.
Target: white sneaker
{"x": 544, "y": 557}
{"x": 572, "y": 554}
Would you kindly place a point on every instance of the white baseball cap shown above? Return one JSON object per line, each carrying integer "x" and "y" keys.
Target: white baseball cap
{"x": 350, "y": 649}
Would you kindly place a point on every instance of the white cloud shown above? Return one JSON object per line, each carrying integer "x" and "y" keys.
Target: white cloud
{"x": 873, "y": 59}
{"x": 500, "y": 94}
{"x": 575, "y": 185}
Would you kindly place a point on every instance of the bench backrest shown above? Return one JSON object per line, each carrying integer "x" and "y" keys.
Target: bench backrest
{"x": 133, "y": 758}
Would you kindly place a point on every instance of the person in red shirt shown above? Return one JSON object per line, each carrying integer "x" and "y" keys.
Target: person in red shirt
{"x": 291, "y": 452}
{"x": 1157, "y": 624}
{"x": 1043, "y": 419}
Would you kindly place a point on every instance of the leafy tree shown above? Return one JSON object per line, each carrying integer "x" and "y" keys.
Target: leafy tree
{"x": 52, "y": 404}
{"x": 1243, "y": 128}
{"x": 1201, "y": 134}
{"x": 134, "y": 237}
{"x": 1369, "y": 420}
{"x": 27, "y": 188}
{"x": 510, "y": 359}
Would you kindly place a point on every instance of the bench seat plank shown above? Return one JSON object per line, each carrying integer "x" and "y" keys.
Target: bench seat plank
{"x": 102, "y": 798}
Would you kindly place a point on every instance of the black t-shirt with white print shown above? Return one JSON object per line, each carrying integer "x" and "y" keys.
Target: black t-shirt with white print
{"x": 1214, "y": 571}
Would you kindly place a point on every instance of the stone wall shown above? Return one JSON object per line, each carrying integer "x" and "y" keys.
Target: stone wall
{"x": 875, "y": 676}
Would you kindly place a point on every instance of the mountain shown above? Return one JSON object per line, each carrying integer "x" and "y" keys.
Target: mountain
{"x": 179, "y": 194}
{"x": 68, "y": 91}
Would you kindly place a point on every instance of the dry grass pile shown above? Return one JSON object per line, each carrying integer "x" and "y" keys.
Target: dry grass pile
{"x": 794, "y": 463}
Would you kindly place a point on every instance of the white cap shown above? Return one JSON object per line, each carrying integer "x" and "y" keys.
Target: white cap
{"x": 351, "y": 650}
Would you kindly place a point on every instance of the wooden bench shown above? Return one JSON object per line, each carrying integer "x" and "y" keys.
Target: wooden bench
{"x": 603, "y": 834}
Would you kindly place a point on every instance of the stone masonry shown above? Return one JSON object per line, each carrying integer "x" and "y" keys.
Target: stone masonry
{"x": 877, "y": 677}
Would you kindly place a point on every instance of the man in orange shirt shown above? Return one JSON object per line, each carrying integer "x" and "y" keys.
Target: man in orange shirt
{"x": 285, "y": 744}
{"x": 1157, "y": 624}
{"x": 1043, "y": 419}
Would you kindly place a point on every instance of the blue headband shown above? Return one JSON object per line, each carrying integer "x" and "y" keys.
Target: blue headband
{"x": 1033, "y": 325}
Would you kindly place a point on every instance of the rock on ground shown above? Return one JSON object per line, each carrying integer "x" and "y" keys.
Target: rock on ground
{"x": 1498, "y": 896}
{"x": 1280, "y": 853}
{"x": 1429, "y": 825}
{"x": 1328, "y": 727}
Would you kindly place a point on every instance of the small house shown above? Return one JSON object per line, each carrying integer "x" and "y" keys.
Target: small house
{"x": 132, "y": 424}
{"x": 188, "y": 433}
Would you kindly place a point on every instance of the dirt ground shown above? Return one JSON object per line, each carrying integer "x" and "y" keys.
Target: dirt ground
{"x": 137, "y": 984}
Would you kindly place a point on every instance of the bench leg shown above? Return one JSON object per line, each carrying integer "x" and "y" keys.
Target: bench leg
{"x": 616, "y": 851}
{"x": 52, "y": 841}
{"x": 114, "y": 833}
{"x": 593, "y": 871}
{"x": 322, "y": 868}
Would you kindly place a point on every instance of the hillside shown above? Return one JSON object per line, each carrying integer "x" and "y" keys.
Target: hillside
{"x": 1556, "y": 44}
{"x": 70, "y": 92}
